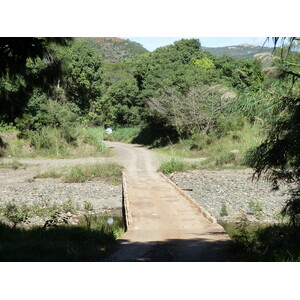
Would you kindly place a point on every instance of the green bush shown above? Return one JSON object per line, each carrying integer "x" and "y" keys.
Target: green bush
{"x": 83, "y": 173}
{"x": 48, "y": 174}
{"x": 174, "y": 165}
{"x": 48, "y": 140}
{"x": 266, "y": 243}
{"x": 4, "y": 127}
{"x": 14, "y": 164}
{"x": 224, "y": 158}
{"x": 224, "y": 211}
{"x": 16, "y": 214}
{"x": 201, "y": 140}
{"x": 229, "y": 123}
{"x": 126, "y": 134}
{"x": 94, "y": 136}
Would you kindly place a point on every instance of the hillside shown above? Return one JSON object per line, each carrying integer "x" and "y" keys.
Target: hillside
{"x": 114, "y": 49}
{"x": 239, "y": 51}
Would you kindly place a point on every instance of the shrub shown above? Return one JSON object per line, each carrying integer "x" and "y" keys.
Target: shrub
{"x": 225, "y": 158}
{"x": 4, "y": 127}
{"x": 16, "y": 214}
{"x": 83, "y": 173}
{"x": 14, "y": 164}
{"x": 94, "y": 136}
{"x": 255, "y": 207}
{"x": 126, "y": 134}
{"x": 173, "y": 165}
{"x": 48, "y": 174}
{"x": 201, "y": 140}
{"x": 224, "y": 211}
{"x": 68, "y": 206}
{"x": 88, "y": 213}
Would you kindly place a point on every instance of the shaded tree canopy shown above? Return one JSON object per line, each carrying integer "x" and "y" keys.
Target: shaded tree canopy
{"x": 14, "y": 52}
{"x": 278, "y": 156}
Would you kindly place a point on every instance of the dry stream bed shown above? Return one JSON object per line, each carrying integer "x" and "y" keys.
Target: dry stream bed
{"x": 225, "y": 194}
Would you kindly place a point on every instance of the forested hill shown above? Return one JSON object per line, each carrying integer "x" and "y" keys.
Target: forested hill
{"x": 115, "y": 49}
{"x": 245, "y": 50}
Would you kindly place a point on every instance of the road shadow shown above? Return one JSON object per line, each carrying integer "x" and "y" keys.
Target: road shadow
{"x": 55, "y": 244}
{"x": 174, "y": 250}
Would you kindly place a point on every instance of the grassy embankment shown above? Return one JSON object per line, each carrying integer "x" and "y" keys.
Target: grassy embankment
{"x": 268, "y": 243}
{"x": 219, "y": 152}
{"x": 53, "y": 143}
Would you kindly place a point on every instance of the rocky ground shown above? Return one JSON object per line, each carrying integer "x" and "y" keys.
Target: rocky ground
{"x": 103, "y": 196}
{"x": 227, "y": 195}
{"x": 18, "y": 186}
{"x": 230, "y": 194}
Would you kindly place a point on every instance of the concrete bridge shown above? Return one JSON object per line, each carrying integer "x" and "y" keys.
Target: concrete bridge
{"x": 163, "y": 223}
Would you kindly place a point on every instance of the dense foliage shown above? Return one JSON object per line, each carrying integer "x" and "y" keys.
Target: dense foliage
{"x": 278, "y": 156}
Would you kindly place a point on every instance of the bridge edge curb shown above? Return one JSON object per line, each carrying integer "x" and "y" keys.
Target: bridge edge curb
{"x": 125, "y": 200}
{"x": 206, "y": 214}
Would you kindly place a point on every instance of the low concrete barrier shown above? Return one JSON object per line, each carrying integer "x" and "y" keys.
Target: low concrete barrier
{"x": 191, "y": 200}
{"x": 125, "y": 200}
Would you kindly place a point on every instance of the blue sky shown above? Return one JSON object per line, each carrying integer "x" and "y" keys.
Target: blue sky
{"x": 151, "y": 43}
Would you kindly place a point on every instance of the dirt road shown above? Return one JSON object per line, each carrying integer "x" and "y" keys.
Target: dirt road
{"x": 164, "y": 225}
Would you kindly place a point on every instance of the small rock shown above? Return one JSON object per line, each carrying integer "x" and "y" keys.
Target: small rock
{"x": 235, "y": 151}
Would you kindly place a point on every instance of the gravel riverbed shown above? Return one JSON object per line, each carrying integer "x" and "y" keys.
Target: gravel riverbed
{"x": 17, "y": 186}
{"x": 101, "y": 195}
{"x": 229, "y": 194}
{"x": 225, "y": 194}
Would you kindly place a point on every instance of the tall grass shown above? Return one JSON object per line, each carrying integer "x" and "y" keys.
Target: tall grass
{"x": 48, "y": 174}
{"x": 94, "y": 136}
{"x": 49, "y": 141}
{"x": 228, "y": 149}
{"x": 174, "y": 165}
{"x": 83, "y": 173}
{"x": 126, "y": 134}
{"x": 13, "y": 164}
{"x": 58, "y": 143}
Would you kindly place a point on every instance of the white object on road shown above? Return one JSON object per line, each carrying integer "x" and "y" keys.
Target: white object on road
{"x": 108, "y": 130}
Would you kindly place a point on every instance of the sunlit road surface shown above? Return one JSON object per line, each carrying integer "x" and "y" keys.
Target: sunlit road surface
{"x": 164, "y": 226}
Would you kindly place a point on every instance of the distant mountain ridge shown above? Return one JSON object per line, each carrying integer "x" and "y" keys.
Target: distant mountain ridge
{"x": 114, "y": 49}
{"x": 239, "y": 51}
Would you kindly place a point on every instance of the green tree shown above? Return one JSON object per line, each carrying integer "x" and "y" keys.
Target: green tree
{"x": 26, "y": 64}
{"x": 162, "y": 68}
{"x": 14, "y": 52}
{"x": 82, "y": 82}
{"x": 240, "y": 73}
{"x": 121, "y": 105}
{"x": 278, "y": 156}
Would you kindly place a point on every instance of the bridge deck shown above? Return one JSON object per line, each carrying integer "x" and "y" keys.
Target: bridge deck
{"x": 163, "y": 225}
